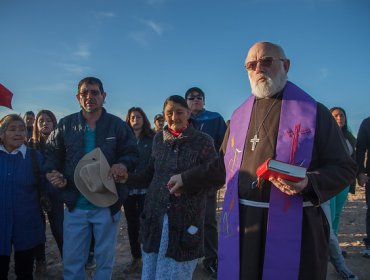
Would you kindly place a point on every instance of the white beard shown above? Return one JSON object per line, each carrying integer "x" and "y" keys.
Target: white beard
{"x": 269, "y": 87}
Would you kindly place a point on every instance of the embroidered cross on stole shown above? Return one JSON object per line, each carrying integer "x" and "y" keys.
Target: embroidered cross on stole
{"x": 294, "y": 144}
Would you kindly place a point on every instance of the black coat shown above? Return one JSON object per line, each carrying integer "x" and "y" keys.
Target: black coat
{"x": 66, "y": 146}
{"x": 171, "y": 156}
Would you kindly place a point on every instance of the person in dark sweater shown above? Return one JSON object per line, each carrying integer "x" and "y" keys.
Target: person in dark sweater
{"x": 333, "y": 207}
{"x": 92, "y": 130}
{"x": 21, "y": 225}
{"x": 45, "y": 122}
{"x": 172, "y": 228}
{"x": 158, "y": 123}
{"x": 214, "y": 125}
{"x": 29, "y": 119}
{"x": 134, "y": 204}
{"x": 363, "y": 162}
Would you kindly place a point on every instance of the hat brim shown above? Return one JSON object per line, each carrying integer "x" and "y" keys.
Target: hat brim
{"x": 100, "y": 199}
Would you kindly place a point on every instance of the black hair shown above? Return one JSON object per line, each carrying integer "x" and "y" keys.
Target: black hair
{"x": 158, "y": 116}
{"x": 345, "y": 126}
{"x": 146, "y": 130}
{"x": 91, "y": 81}
{"x": 29, "y": 113}
{"x": 177, "y": 99}
{"x": 195, "y": 89}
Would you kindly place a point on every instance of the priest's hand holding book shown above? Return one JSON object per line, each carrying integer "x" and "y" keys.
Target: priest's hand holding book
{"x": 289, "y": 187}
{"x": 288, "y": 178}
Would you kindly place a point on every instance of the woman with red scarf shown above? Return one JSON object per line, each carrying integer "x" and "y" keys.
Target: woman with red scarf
{"x": 171, "y": 232}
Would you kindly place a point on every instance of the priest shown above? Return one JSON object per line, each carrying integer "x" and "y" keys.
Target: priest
{"x": 274, "y": 229}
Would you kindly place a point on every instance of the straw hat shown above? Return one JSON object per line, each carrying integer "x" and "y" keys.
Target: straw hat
{"x": 91, "y": 179}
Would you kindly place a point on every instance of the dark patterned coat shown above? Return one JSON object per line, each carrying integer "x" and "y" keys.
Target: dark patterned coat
{"x": 170, "y": 156}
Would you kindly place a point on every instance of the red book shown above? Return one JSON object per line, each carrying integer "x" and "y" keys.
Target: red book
{"x": 286, "y": 171}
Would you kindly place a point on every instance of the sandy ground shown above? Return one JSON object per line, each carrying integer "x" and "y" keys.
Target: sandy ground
{"x": 352, "y": 231}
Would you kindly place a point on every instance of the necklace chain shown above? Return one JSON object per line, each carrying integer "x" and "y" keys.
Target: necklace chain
{"x": 255, "y": 138}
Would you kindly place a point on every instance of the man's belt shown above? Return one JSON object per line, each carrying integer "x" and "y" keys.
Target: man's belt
{"x": 265, "y": 204}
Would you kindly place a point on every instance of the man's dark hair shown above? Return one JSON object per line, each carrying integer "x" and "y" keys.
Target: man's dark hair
{"x": 91, "y": 81}
{"x": 196, "y": 89}
{"x": 29, "y": 113}
{"x": 158, "y": 116}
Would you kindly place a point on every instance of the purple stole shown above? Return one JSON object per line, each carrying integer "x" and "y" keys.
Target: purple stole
{"x": 284, "y": 229}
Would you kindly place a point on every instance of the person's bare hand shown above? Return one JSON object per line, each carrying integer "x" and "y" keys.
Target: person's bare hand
{"x": 289, "y": 187}
{"x": 56, "y": 179}
{"x": 118, "y": 172}
{"x": 122, "y": 179}
{"x": 174, "y": 184}
{"x": 362, "y": 179}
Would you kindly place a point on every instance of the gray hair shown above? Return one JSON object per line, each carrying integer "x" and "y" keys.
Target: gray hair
{"x": 5, "y": 122}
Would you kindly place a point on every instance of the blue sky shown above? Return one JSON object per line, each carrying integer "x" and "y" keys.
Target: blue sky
{"x": 146, "y": 50}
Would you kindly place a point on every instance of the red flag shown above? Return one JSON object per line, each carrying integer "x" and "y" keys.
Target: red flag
{"x": 5, "y": 97}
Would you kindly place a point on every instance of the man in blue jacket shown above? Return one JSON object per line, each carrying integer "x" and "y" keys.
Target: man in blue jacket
{"x": 76, "y": 136}
{"x": 214, "y": 125}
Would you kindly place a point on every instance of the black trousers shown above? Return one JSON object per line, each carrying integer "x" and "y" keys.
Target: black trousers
{"x": 23, "y": 261}
{"x": 210, "y": 230}
{"x": 367, "y": 196}
{"x": 39, "y": 250}
{"x": 134, "y": 206}
{"x": 56, "y": 217}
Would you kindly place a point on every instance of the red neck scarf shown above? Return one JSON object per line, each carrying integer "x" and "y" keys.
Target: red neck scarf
{"x": 177, "y": 133}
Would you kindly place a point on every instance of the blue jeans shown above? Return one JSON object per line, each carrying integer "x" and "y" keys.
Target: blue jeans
{"x": 335, "y": 251}
{"x": 77, "y": 228}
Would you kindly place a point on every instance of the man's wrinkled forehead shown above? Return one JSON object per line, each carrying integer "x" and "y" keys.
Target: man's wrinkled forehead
{"x": 261, "y": 50}
{"x": 194, "y": 94}
{"x": 89, "y": 85}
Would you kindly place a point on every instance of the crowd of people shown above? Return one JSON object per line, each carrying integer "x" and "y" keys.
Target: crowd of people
{"x": 80, "y": 172}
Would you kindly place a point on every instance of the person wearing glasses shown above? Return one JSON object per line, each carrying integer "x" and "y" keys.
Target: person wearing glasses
{"x": 76, "y": 136}
{"x": 273, "y": 228}
{"x": 214, "y": 125}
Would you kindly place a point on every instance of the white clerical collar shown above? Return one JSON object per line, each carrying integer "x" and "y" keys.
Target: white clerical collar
{"x": 22, "y": 149}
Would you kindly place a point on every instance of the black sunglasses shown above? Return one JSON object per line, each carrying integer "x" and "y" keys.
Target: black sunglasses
{"x": 85, "y": 92}
{"x": 195, "y": 97}
{"x": 264, "y": 62}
